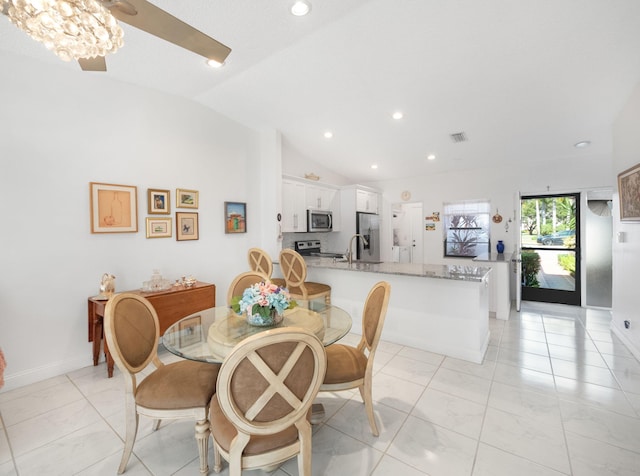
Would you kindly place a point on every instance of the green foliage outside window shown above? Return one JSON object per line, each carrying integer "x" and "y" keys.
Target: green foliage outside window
{"x": 530, "y": 268}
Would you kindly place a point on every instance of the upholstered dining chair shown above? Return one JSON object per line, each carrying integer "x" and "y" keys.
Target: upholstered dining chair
{"x": 242, "y": 282}
{"x": 294, "y": 270}
{"x": 260, "y": 416}
{"x": 260, "y": 262}
{"x": 352, "y": 367}
{"x": 181, "y": 389}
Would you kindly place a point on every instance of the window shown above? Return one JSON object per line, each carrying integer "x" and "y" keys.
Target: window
{"x": 466, "y": 228}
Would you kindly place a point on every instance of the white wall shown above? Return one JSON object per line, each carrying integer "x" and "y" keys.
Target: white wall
{"x": 499, "y": 187}
{"x": 62, "y": 129}
{"x": 626, "y": 255}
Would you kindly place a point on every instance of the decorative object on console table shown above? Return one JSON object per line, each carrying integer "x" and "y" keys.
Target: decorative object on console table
{"x": 170, "y": 305}
{"x": 186, "y": 198}
{"x": 158, "y": 202}
{"x": 114, "y": 208}
{"x": 235, "y": 216}
{"x": 629, "y": 190}
{"x": 187, "y": 226}
{"x": 500, "y": 247}
{"x": 107, "y": 286}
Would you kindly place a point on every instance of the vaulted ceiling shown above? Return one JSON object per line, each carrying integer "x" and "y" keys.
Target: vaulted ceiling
{"x": 524, "y": 80}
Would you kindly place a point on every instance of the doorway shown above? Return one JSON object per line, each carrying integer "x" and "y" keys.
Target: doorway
{"x": 407, "y": 233}
{"x": 550, "y": 248}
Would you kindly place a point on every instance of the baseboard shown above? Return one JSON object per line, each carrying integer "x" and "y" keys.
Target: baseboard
{"x": 623, "y": 336}
{"x": 37, "y": 374}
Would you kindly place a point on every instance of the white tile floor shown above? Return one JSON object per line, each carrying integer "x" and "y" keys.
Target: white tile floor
{"x": 557, "y": 394}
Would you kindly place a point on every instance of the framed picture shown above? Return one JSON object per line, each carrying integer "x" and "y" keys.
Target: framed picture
{"x": 235, "y": 217}
{"x": 186, "y": 226}
{"x": 158, "y": 227}
{"x": 186, "y": 198}
{"x": 158, "y": 202}
{"x": 114, "y": 208}
{"x": 190, "y": 331}
{"x": 629, "y": 191}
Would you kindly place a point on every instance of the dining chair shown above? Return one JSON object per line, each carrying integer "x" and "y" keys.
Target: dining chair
{"x": 267, "y": 384}
{"x": 260, "y": 262}
{"x": 182, "y": 389}
{"x": 294, "y": 270}
{"x": 352, "y": 367}
{"x": 242, "y": 282}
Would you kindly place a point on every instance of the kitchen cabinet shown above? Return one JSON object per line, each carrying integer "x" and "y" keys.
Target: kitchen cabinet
{"x": 366, "y": 201}
{"x": 319, "y": 198}
{"x": 294, "y": 210}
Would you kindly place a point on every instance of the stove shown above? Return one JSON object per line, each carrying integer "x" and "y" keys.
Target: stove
{"x": 312, "y": 248}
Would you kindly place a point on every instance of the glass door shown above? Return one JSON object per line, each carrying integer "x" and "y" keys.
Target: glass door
{"x": 550, "y": 251}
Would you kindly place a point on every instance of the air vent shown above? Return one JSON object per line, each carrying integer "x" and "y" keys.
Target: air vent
{"x": 459, "y": 137}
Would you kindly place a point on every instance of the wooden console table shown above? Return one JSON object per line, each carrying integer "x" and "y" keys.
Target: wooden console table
{"x": 170, "y": 305}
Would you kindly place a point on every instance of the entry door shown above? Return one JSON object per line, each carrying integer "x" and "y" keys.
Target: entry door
{"x": 550, "y": 237}
{"x": 415, "y": 210}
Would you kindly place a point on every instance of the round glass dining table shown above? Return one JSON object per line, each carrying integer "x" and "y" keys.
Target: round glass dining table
{"x": 209, "y": 335}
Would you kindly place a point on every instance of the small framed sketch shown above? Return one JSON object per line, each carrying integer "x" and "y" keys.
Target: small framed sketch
{"x": 186, "y": 226}
{"x": 158, "y": 202}
{"x": 629, "y": 191}
{"x": 159, "y": 227}
{"x": 114, "y": 208}
{"x": 186, "y": 198}
{"x": 235, "y": 217}
{"x": 190, "y": 331}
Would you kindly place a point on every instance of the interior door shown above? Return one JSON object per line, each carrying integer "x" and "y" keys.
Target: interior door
{"x": 415, "y": 210}
{"x": 550, "y": 251}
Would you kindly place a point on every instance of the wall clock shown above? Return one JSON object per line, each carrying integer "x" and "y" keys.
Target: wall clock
{"x": 406, "y": 195}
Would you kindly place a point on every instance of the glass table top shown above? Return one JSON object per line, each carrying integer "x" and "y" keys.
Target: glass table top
{"x": 209, "y": 335}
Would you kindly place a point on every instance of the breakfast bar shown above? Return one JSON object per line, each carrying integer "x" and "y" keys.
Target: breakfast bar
{"x": 437, "y": 308}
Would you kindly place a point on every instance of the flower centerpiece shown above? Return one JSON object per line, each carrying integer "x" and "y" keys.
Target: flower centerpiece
{"x": 264, "y": 303}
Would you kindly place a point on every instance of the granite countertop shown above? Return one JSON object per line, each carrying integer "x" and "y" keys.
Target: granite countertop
{"x": 445, "y": 271}
{"x": 492, "y": 257}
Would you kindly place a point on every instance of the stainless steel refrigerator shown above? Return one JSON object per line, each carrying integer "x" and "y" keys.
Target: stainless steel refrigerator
{"x": 368, "y": 225}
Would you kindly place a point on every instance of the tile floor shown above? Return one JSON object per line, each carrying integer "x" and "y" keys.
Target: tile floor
{"x": 557, "y": 394}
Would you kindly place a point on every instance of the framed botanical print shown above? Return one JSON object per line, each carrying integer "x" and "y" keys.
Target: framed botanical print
{"x": 235, "y": 217}
{"x": 158, "y": 202}
{"x": 114, "y": 208}
{"x": 186, "y": 198}
{"x": 187, "y": 226}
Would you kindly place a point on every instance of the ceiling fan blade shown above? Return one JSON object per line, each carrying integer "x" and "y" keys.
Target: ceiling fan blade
{"x": 158, "y": 22}
{"x": 97, "y": 63}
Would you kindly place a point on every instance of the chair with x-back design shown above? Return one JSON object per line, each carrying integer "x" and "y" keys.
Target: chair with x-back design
{"x": 260, "y": 262}
{"x": 266, "y": 386}
{"x": 294, "y": 270}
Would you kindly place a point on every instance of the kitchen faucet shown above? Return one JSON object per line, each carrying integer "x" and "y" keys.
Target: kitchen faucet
{"x": 350, "y": 253}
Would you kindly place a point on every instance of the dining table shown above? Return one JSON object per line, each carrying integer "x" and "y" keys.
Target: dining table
{"x": 210, "y": 335}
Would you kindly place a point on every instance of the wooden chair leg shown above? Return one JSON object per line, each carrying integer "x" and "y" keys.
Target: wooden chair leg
{"x": 202, "y": 439}
{"x": 217, "y": 459}
{"x": 365, "y": 393}
{"x": 130, "y": 437}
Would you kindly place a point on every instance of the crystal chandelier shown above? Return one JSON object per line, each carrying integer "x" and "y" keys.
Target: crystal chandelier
{"x": 72, "y": 29}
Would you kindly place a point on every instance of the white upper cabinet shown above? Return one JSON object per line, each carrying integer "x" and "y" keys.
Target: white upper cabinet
{"x": 320, "y": 198}
{"x": 294, "y": 210}
{"x": 366, "y": 201}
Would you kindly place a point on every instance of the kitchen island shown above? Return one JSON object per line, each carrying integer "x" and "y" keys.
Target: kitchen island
{"x": 438, "y": 308}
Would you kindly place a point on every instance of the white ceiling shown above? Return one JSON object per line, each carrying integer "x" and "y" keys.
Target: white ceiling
{"x": 525, "y": 80}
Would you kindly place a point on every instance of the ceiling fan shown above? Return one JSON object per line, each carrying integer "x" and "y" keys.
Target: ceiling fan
{"x": 146, "y": 17}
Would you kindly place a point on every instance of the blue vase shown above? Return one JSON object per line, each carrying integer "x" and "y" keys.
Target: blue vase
{"x": 500, "y": 247}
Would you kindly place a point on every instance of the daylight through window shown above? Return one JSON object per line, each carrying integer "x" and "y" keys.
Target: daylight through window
{"x": 466, "y": 227}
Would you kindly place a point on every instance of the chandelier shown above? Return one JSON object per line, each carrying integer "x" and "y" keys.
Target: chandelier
{"x": 72, "y": 29}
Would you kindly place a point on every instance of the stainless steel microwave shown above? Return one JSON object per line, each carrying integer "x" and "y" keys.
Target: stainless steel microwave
{"x": 319, "y": 220}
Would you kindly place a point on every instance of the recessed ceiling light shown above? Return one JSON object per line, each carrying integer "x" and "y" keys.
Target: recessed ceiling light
{"x": 431, "y": 157}
{"x": 374, "y": 166}
{"x": 328, "y": 135}
{"x": 300, "y": 8}
{"x": 582, "y": 144}
{"x": 214, "y": 64}
{"x": 397, "y": 115}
